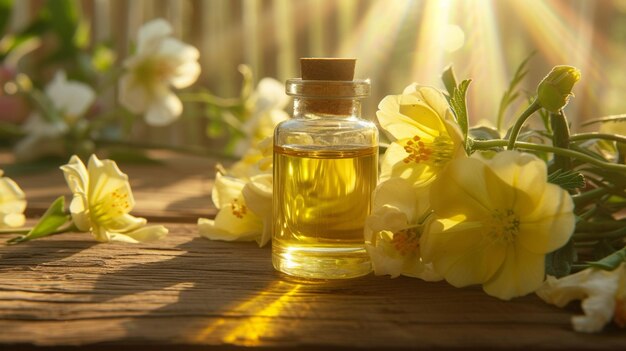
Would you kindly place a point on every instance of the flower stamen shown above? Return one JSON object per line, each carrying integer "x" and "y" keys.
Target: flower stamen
{"x": 435, "y": 153}
{"x": 239, "y": 210}
{"x": 503, "y": 226}
{"x": 406, "y": 241}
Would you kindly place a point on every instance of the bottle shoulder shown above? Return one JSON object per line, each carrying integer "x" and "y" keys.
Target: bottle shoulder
{"x": 326, "y": 124}
{"x": 324, "y": 132}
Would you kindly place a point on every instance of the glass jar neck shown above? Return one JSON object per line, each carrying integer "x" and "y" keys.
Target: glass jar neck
{"x": 304, "y": 107}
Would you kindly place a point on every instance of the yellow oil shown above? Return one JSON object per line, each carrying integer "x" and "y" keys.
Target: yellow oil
{"x": 321, "y": 201}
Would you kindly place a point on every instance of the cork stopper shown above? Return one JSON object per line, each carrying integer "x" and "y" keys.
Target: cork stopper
{"x": 327, "y": 68}
{"x": 328, "y": 84}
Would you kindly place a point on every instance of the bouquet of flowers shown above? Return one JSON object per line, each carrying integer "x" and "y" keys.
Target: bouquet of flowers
{"x": 477, "y": 205}
{"x": 517, "y": 211}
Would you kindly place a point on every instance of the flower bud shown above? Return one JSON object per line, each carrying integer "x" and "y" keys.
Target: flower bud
{"x": 555, "y": 89}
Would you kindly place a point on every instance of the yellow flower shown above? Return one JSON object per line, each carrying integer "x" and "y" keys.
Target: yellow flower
{"x": 495, "y": 222}
{"x": 160, "y": 62}
{"x": 423, "y": 132}
{"x": 245, "y": 210}
{"x": 603, "y": 295}
{"x": 102, "y": 201}
{"x": 392, "y": 231}
{"x": 12, "y": 203}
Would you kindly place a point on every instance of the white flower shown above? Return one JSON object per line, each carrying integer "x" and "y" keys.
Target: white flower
{"x": 392, "y": 231}
{"x": 12, "y": 203}
{"x": 160, "y": 62}
{"x": 603, "y": 295}
{"x": 245, "y": 210}
{"x": 266, "y": 107}
{"x": 103, "y": 200}
{"x": 70, "y": 100}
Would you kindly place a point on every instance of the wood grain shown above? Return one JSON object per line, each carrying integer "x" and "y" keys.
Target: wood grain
{"x": 186, "y": 290}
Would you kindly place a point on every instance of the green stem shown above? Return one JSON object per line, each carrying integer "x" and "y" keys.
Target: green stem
{"x": 600, "y": 225}
{"x": 590, "y": 195}
{"x": 615, "y": 234}
{"x": 71, "y": 227}
{"x": 594, "y": 135}
{"x": 488, "y": 144}
{"x": 560, "y": 138}
{"x": 579, "y": 267}
{"x": 532, "y": 108}
{"x": 210, "y": 99}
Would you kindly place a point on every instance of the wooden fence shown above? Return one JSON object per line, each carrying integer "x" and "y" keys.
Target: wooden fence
{"x": 387, "y": 36}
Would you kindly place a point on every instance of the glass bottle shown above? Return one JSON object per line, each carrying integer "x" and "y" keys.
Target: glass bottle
{"x": 325, "y": 169}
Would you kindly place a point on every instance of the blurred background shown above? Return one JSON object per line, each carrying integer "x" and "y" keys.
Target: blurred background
{"x": 396, "y": 42}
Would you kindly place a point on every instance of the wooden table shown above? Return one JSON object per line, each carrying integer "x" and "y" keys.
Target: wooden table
{"x": 187, "y": 293}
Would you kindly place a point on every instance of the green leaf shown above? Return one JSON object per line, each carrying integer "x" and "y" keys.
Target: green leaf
{"x": 615, "y": 118}
{"x": 559, "y": 262}
{"x": 511, "y": 93}
{"x": 459, "y": 106}
{"x": 449, "y": 80}
{"x": 64, "y": 18}
{"x": 568, "y": 180}
{"x": 48, "y": 224}
{"x": 5, "y": 13}
{"x": 611, "y": 261}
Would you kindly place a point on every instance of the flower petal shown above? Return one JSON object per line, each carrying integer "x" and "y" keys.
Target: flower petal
{"x": 460, "y": 252}
{"x": 399, "y": 193}
{"x": 521, "y": 273}
{"x": 403, "y": 117}
{"x": 551, "y": 223}
{"x": 522, "y": 171}
{"x": 70, "y": 97}
{"x": 107, "y": 180}
{"x": 79, "y": 209}
{"x": 164, "y": 111}
{"x": 433, "y": 97}
{"x": 392, "y": 166}
{"x": 12, "y": 220}
{"x": 462, "y": 189}
{"x": 133, "y": 95}
{"x": 385, "y": 259}
{"x": 151, "y": 34}
{"x": 140, "y": 235}
{"x": 598, "y": 289}
{"x": 257, "y": 194}
{"x": 12, "y": 197}
{"x": 210, "y": 230}
{"x": 226, "y": 189}
{"x": 76, "y": 175}
{"x": 387, "y": 218}
{"x": 125, "y": 223}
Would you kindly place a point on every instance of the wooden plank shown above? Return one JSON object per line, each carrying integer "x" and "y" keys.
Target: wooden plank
{"x": 186, "y": 290}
